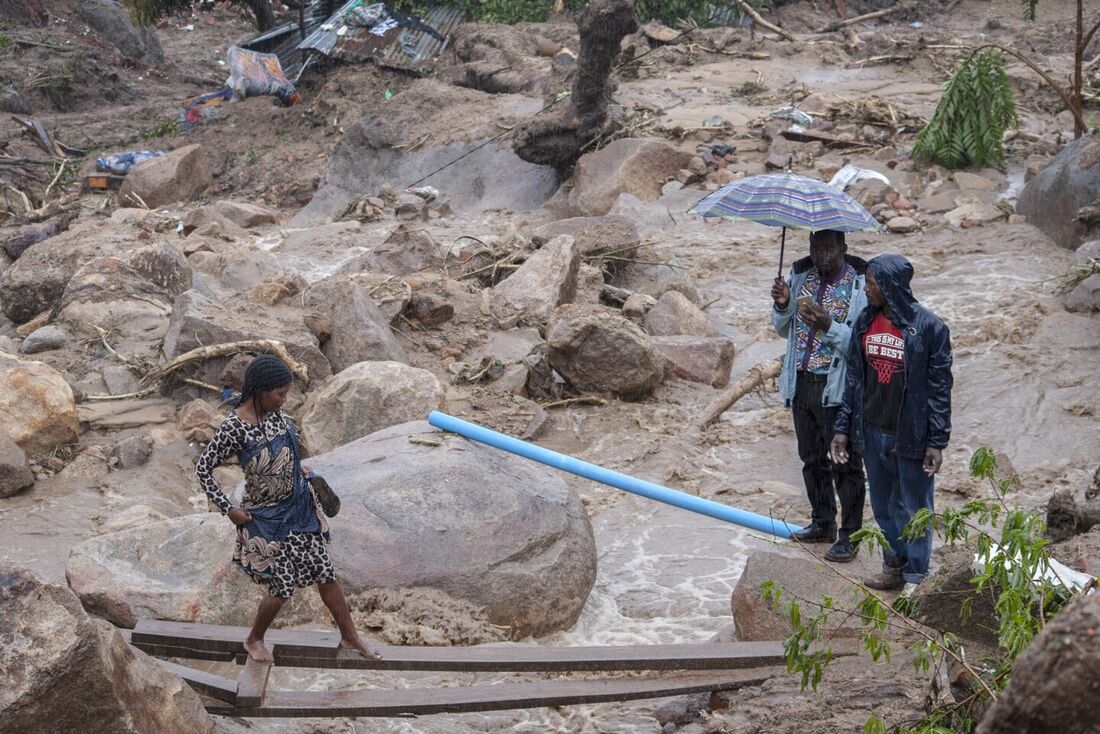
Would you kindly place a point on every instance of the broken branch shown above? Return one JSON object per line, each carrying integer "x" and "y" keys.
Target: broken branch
{"x": 755, "y": 378}
{"x": 759, "y": 20}
{"x": 201, "y": 354}
{"x": 860, "y": 18}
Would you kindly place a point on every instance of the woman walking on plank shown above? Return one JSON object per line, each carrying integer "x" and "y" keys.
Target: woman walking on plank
{"x": 282, "y": 535}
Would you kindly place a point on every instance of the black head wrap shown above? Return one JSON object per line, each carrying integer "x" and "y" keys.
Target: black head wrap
{"x": 264, "y": 373}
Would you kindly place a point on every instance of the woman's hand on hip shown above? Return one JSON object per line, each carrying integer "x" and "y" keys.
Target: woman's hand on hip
{"x": 239, "y": 516}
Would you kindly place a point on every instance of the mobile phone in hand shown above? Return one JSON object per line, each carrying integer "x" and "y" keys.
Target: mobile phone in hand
{"x": 804, "y": 301}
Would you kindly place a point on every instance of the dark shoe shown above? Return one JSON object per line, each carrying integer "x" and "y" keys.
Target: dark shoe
{"x": 842, "y": 551}
{"x": 817, "y": 534}
{"x": 885, "y": 581}
{"x": 330, "y": 502}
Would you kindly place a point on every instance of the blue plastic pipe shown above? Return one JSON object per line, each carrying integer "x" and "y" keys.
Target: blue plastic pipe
{"x": 626, "y": 483}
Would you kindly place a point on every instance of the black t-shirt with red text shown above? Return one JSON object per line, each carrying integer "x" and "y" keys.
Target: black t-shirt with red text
{"x": 884, "y": 351}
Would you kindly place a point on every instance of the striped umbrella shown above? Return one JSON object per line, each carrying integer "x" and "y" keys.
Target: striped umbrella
{"x": 787, "y": 200}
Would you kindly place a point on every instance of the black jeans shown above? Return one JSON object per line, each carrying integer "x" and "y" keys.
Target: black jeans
{"x": 813, "y": 428}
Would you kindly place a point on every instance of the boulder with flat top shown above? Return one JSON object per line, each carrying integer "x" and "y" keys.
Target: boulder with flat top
{"x": 63, "y": 671}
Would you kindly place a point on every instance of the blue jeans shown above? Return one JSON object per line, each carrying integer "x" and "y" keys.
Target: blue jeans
{"x": 899, "y": 488}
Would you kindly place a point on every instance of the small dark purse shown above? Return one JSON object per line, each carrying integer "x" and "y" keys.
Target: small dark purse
{"x": 330, "y": 501}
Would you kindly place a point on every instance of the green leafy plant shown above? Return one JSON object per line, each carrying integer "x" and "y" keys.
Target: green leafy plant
{"x": 969, "y": 123}
{"x": 163, "y": 127}
{"x": 1015, "y": 570}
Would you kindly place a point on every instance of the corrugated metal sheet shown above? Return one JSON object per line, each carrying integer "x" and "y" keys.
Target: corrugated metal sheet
{"x": 402, "y": 48}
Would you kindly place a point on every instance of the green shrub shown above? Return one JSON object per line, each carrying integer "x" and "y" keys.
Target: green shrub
{"x": 968, "y": 126}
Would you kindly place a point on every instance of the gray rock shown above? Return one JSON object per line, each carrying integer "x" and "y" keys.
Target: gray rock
{"x": 589, "y": 284}
{"x": 44, "y": 339}
{"x": 1085, "y": 297}
{"x": 360, "y": 332}
{"x": 482, "y": 525}
{"x": 598, "y": 349}
{"x": 37, "y": 280}
{"x": 1054, "y": 678}
{"x": 1088, "y": 251}
{"x": 376, "y": 151}
{"x": 902, "y": 225}
{"x": 637, "y": 305}
{"x": 592, "y": 235}
{"x": 367, "y": 397}
{"x": 675, "y": 315}
{"x": 15, "y": 472}
{"x": 546, "y": 280}
{"x": 699, "y": 359}
{"x": 246, "y": 267}
{"x": 798, "y": 574}
{"x": 18, "y": 240}
{"x": 133, "y": 452}
{"x": 130, "y": 295}
{"x": 636, "y": 166}
{"x": 509, "y": 346}
{"x": 201, "y": 321}
{"x": 62, "y": 671}
{"x": 112, "y": 23}
{"x": 243, "y": 214}
{"x": 1071, "y": 180}
{"x": 408, "y": 249}
{"x": 182, "y": 175}
{"x": 978, "y": 182}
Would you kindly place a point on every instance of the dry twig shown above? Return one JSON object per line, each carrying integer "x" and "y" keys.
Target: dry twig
{"x": 201, "y": 354}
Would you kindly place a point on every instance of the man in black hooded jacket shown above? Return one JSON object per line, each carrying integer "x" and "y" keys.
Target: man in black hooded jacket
{"x": 897, "y": 412}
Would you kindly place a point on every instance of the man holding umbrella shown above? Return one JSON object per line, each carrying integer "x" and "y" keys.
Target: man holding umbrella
{"x": 828, "y": 296}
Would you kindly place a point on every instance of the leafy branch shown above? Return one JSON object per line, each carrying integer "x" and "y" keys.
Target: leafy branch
{"x": 1015, "y": 570}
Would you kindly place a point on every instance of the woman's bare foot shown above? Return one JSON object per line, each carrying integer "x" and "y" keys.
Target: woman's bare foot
{"x": 364, "y": 650}
{"x": 258, "y": 651}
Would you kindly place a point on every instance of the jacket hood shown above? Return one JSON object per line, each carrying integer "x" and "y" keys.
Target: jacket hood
{"x": 893, "y": 273}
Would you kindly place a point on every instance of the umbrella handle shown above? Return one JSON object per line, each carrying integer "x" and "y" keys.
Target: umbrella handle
{"x": 782, "y": 244}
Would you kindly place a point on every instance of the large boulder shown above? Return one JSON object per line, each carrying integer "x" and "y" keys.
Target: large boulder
{"x": 596, "y": 348}
{"x": 62, "y": 671}
{"x": 429, "y": 124}
{"x": 367, "y": 397}
{"x": 798, "y": 575}
{"x": 1054, "y": 683}
{"x": 37, "y": 280}
{"x": 199, "y": 321}
{"x": 545, "y": 281}
{"x": 37, "y": 408}
{"x": 592, "y": 235}
{"x": 15, "y": 472}
{"x": 444, "y": 513}
{"x": 636, "y": 166}
{"x": 112, "y": 22}
{"x": 182, "y": 175}
{"x": 1070, "y": 181}
{"x": 360, "y": 331}
{"x": 130, "y": 295}
{"x": 408, "y": 249}
{"x": 1085, "y": 297}
{"x": 699, "y": 359}
{"x": 675, "y": 315}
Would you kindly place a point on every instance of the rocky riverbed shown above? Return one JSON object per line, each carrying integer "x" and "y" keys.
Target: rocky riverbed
{"x": 590, "y": 314}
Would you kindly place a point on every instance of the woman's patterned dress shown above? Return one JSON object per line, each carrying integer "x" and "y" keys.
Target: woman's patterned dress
{"x": 285, "y": 544}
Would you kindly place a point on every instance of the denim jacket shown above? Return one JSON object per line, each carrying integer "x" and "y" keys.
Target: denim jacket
{"x": 837, "y": 336}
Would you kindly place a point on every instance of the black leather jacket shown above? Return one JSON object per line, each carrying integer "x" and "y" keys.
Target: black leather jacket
{"x": 925, "y": 417}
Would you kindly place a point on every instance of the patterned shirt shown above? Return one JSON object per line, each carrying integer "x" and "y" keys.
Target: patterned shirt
{"x": 268, "y": 478}
{"x": 835, "y": 296}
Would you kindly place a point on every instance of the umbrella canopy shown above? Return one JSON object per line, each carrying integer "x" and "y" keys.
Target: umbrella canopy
{"x": 787, "y": 200}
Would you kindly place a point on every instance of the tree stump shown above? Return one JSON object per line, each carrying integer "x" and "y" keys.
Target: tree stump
{"x": 558, "y": 137}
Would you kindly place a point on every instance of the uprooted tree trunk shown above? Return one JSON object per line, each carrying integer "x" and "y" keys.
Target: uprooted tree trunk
{"x": 558, "y": 137}
{"x": 1066, "y": 516}
{"x": 265, "y": 16}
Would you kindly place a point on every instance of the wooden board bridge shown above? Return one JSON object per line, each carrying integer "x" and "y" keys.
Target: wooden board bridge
{"x": 684, "y": 668}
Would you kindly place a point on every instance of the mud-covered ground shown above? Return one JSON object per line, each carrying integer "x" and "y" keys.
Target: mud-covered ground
{"x": 1025, "y": 377}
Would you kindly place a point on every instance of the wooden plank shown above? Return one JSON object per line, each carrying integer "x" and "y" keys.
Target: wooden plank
{"x": 319, "y": 649}
{"x": 252, "y": 683}
{"x": 464, "y": 699}
{"x": 207, "y": 684}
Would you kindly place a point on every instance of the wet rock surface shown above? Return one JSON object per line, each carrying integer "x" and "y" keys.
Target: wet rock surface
{"x": 65, "y": 671}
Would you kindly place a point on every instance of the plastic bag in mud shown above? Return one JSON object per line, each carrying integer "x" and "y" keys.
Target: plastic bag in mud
{"x": 253, "y": 74}
{"x": 121, "y": 163}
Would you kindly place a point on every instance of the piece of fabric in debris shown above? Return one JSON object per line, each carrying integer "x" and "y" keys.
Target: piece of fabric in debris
{"x": 121, "y": 163}
{"x": 253, "y": 74}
